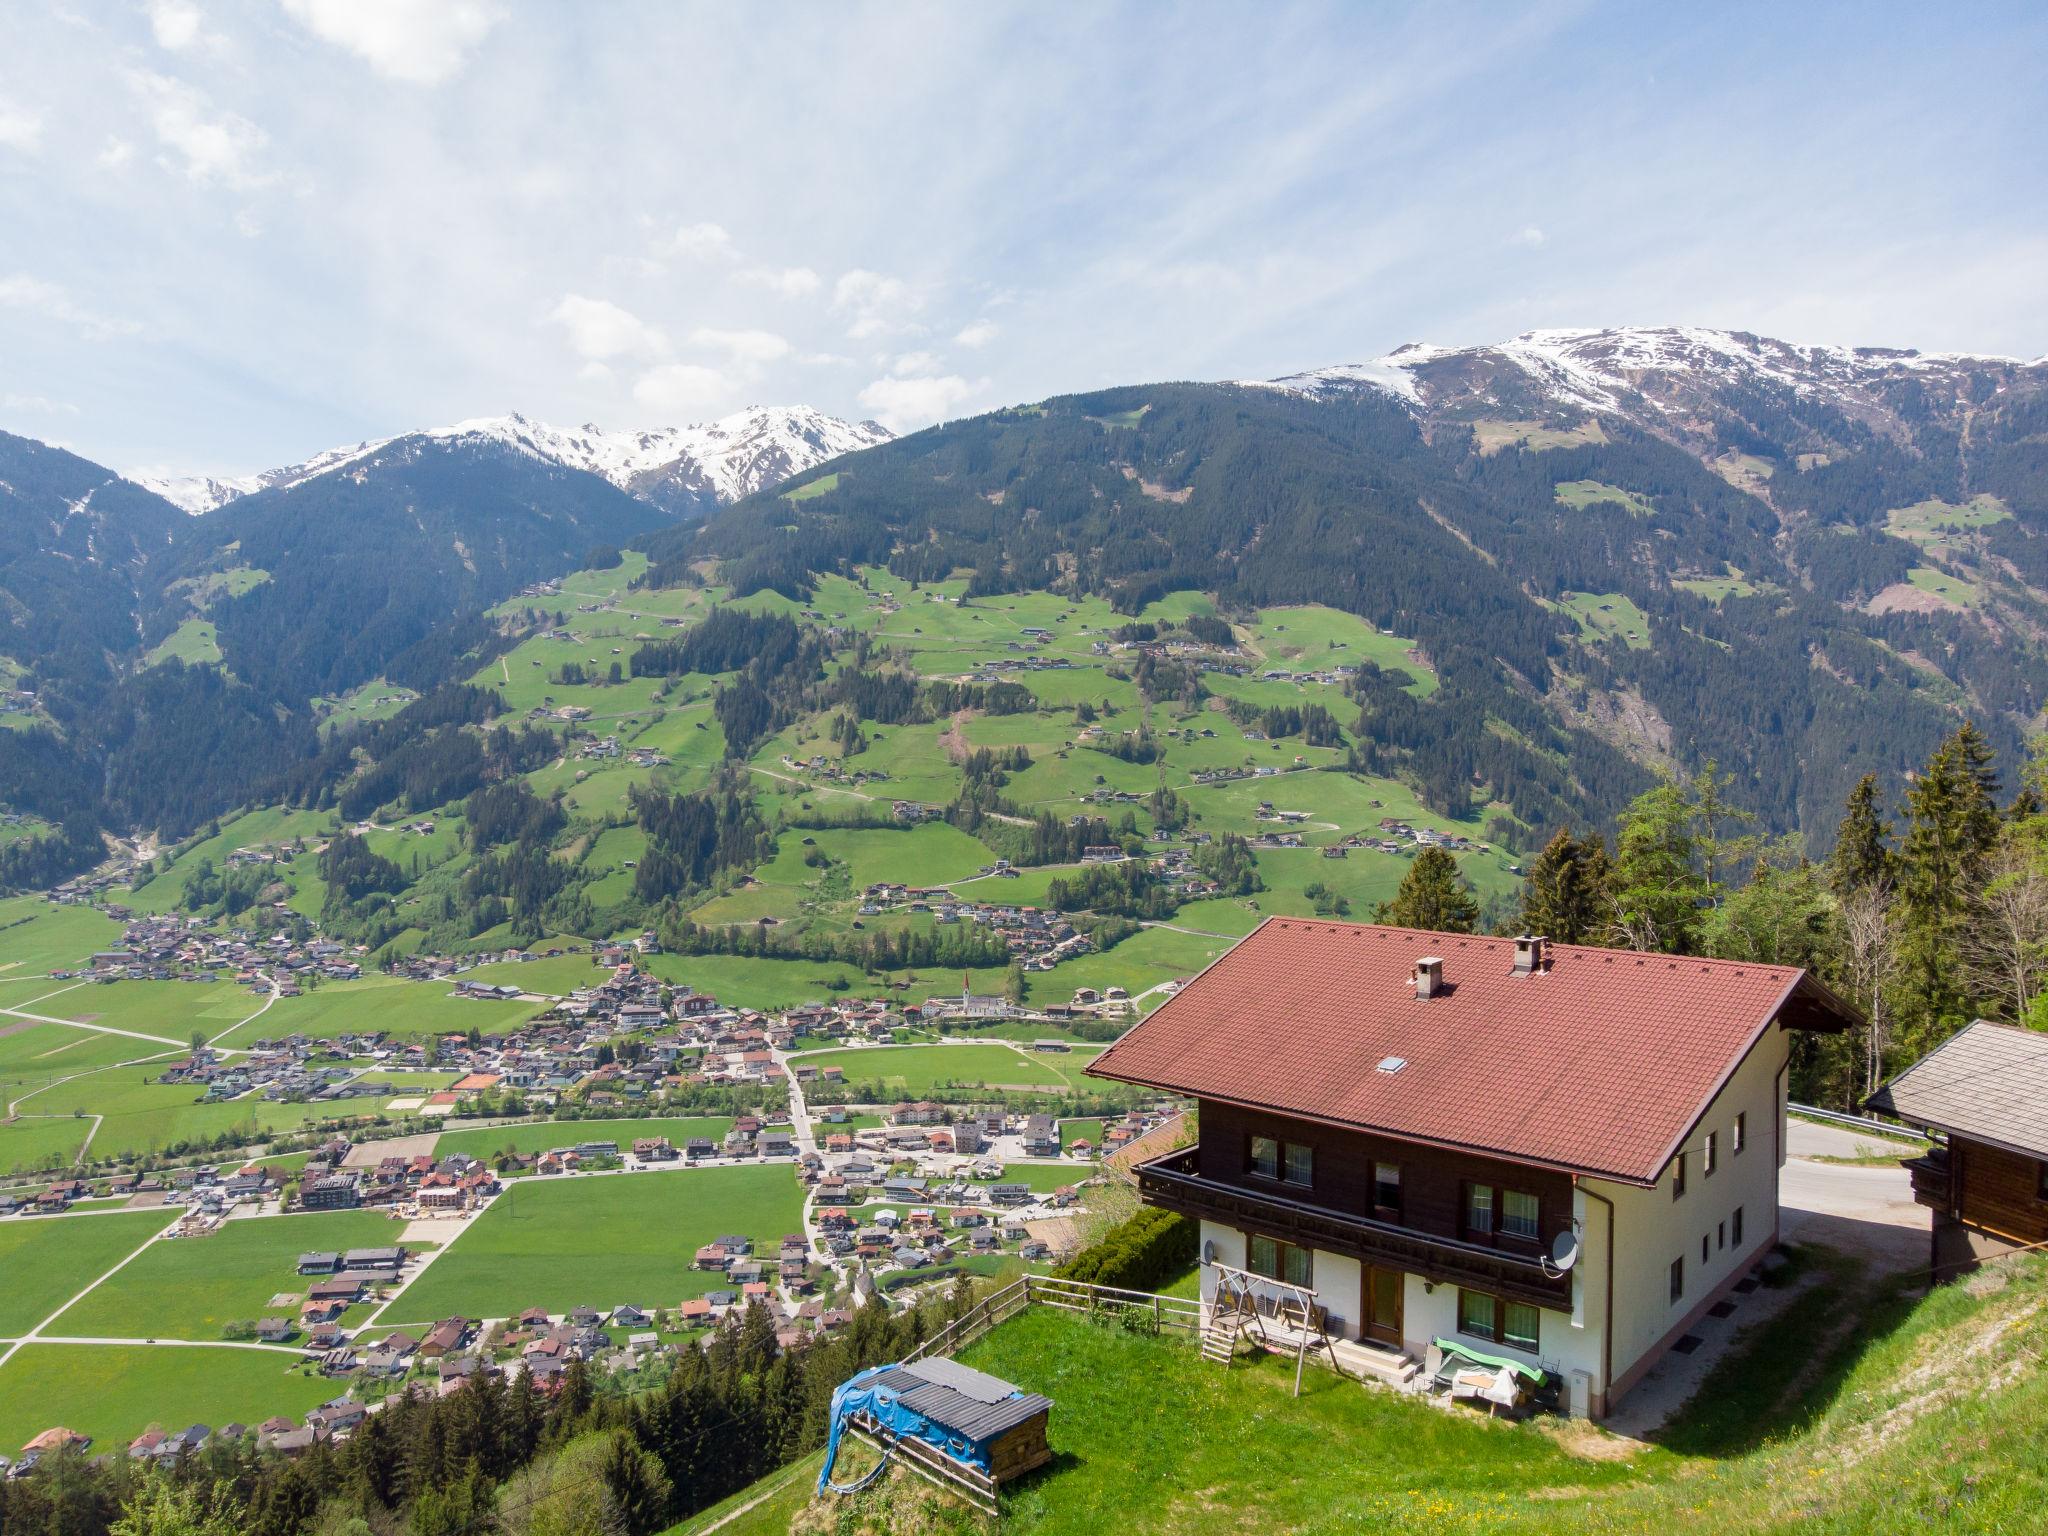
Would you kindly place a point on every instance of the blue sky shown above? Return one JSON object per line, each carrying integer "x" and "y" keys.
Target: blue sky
{"x": 234, "y": 232}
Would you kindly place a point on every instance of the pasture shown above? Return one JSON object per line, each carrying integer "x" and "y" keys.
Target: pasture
{"x": 486, "y": 1141}
{"x": 113, "y": 1392}
{"x": 915, "y": 1069}
{"x": 389, "y": 1004}
{"x": 1580, "y": 494}
{"x": 48, "y": 1259}
{"x": 36, "y": 935}
{"x": 1607, "y": 616}
{"x": 193, "y": 1287}
{"x": 601, "y": 1240}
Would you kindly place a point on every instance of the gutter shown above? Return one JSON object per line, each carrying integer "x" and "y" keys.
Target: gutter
{"x": 1607, "y": 1317}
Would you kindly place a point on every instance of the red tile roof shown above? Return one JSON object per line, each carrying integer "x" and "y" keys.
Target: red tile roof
{"x": 1599, "y": 1064}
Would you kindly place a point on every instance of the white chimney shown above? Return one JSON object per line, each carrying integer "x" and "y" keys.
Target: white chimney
{"x": 1529, "y": 953}
{"x": 1429, "y": 977}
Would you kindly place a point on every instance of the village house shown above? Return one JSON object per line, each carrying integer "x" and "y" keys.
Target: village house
{"x": 1983, "y": 1094}
{"x": 1553, "y": 1152}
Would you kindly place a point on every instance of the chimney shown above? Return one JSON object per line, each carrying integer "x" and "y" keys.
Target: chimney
{"x": 1530, "y": 953}
{"x": 1429, "y": 977}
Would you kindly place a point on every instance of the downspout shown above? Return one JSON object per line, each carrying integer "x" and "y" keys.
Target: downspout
{"x": 1607, "y": 1317}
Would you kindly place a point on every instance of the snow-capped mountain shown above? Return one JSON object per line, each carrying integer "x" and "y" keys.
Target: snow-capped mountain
{"x": 1677, "y": 381}
{"x": 680, "y": 469}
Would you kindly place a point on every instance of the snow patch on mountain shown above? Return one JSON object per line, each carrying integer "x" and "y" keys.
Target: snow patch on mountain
{"x": 720, "y": 461}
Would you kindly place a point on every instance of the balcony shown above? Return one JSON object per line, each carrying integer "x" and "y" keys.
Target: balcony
{"x": 1174, "y": 1183}
{"x": 1930, "y": 1175}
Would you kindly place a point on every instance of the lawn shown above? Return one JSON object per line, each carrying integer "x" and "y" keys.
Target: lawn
{"x": 114, "y": 1392}
{"x": 487, "y": 1140}
{"x": 916, "y": 1068}
{"x": 193, "y": 1287}
{"x": 49, "y": 1258}
{"x": 602, "y": 1241}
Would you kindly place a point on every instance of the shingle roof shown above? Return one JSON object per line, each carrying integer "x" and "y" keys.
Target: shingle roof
{"x": 1987, "y": 1081}
{"x": 1599, "y": 1063}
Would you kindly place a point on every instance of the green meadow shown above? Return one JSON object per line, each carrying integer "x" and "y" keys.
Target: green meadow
{"x": 114, "y": 1392}
{"x": 47, "y": 1259}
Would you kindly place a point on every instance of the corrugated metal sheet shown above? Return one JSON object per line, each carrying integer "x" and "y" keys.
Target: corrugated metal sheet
{"x": 964, "y": 1379}
{"x": 972, "y": 1420}
{"x": 1600, "y": 1063}
{"x": 1987, "y": 1081}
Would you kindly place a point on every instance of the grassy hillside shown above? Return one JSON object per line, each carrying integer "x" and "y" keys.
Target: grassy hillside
{"x": 1927, "y": 1416}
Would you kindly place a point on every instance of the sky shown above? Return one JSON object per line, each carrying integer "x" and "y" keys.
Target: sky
{"x": 236, "y": 232}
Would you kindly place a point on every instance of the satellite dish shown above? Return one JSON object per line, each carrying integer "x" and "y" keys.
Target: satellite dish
{"x": 1209, "y": 1250}
{"x": 1564, "y": 1253}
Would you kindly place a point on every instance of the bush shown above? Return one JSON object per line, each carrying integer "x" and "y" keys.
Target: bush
{"x": 1138, "y": 1254}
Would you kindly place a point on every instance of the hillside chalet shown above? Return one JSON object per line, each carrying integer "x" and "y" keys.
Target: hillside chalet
{"x": 1533, "y": 1149}
{"x": 1983, "y": 1095}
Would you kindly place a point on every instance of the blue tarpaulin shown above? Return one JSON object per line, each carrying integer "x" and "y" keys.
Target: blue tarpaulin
{"x": 932, "y": 1407}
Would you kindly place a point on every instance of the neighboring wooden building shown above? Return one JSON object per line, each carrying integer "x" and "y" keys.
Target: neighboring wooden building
{"x": 1408, "y": 1123}
{"x": 1986, "y": 1091}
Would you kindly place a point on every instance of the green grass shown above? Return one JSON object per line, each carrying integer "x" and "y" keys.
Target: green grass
{"x": 601, "y": 1241}
{"x": 1951, "y": 589}
{"x": 114, "y": 1392}
{"x": 388, "y": 1003}
{"x": 50, "y": 1143}
{"x": 1492, "y": 436}
{"x": 1716, "y": 589}
{"x": 487, "y": 1141}
{"x": 914, "y": 1069}
{"x": 36, "y": 935}
{"x": 49, "y": 1258}
{"x": 192, "y": 642}
{"x": 192, "y": 1287}
{"x": 810, "y": 488}
{"x": 1580, "y": 494}
{"x": 1607, "y": 616}
{"x": 1928, "y": 522}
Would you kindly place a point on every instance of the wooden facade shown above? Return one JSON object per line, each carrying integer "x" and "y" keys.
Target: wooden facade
{"x": 1991, "y": 1189}
{"x": 1340, "y": 1208}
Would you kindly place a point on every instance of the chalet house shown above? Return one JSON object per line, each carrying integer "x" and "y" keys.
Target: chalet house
{"x": 1983, "y": 1096}
{"x": 1558, "y": 1152}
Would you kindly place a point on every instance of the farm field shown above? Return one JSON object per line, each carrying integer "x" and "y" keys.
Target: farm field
{"x": 31, "y": 1143}
{"x": 143, "y": 1116}
{"x": 1579, "y": 494}
{"x": 600, "y": 1240}
{"x": 485, "y": 1141}
{"x": 47, "y": 1259}
{"x": 193, "y": 1287}
{"x": 36, "y": 935}
{"x": 551, "y": 975}
{"x": 915, "y": 1068}
{"x": 113, "y": 1392}
{"x": 388, "y": 1003}
{"x": 1952, "y": 589}
{"x": 1607, "y": 616}
{"x": 744, "y": 981}
{"x": 269, "y": 826}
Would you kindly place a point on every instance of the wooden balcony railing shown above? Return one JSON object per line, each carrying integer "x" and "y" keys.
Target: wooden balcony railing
{"x": 1929, "y": 1173}
{"x": 1175, "y": 1183}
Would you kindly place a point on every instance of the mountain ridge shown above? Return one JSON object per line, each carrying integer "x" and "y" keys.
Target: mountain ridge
{"x": 679, "y": 469}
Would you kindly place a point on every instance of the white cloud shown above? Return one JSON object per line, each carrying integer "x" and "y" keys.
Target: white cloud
{"x": 904, "y": 405}
{"x": 20, "y": 128}
{"x": 421, "y": 42}
{"x": 1528, "y": 235}
{"x": 117, "y": 153}
{"x": 41, "y": 404}
{"x": 598, "y": 328}
{"x": 752, "y": 349}
{"x": 705, "y": 242}
{"x": 979, "y": 334}
{"x": 917, "y": 365}
{"x": 789, "y": 282}
{"x": 207, "y": 145}
{"x": 682, "y": 391}
{"x": 874, "y": 304}
{"x": 37, "y": 297}
{"x": 594, "y": 372}
{"x": 247, "y": 224}
{"x": 824, "y": 360}
{"x": 176, "y": 24}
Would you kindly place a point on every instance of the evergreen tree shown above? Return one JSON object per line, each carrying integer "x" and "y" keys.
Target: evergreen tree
{"x": 1433, "y": 895}
{"x": 1863, "y": 852}
{"x": 1659, "y": 893}
{"x": 1565, "y": 895}
{"x": 1952, "y": 828}
{"x": 636, "y": 1483}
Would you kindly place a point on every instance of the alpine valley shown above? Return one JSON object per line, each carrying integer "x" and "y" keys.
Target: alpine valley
{"x": 1483, "y": 594}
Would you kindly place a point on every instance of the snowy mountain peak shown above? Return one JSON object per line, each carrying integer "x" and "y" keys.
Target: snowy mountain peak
{"x": 678, "y": 468}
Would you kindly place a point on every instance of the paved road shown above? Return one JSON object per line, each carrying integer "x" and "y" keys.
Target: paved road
{"x": 1810, "y": 1138}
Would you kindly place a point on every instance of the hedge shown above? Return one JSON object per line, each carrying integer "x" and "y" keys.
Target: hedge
{"x": 1138, "y": 1254}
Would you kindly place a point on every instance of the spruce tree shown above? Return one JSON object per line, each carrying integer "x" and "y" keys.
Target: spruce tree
{"x": 1433, "y": 895}
{"x": 1952, "y": 828}
{"x": 1565, "y": 895}
{"x": 1863, "y": 846}
{"x": 1659, "y": 894}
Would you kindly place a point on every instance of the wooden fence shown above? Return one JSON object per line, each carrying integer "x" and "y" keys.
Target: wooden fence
{"x": 1166, "y": 1314}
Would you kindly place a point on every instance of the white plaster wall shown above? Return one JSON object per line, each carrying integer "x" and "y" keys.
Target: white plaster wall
{"x": 1652, "y": 1229}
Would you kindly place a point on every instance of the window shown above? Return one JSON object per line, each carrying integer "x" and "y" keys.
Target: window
{"x": 1519, "y": 1323}
{"x": 1678, "y": 1177}
{"x": 1521, "y": 1214}
{"x": 1721, "y": 1235}
{"x": 1738, "y": 1226}
{"x": 1288, "y": 1161}
{"x": 1266, "y": 1157}
{"x": 1479, "y": 1211}
{"x": 1706, "y": 1250}
{"x": 1741, "y": 1135}
{"x": 1279, "y": 1261}
{"x": 1677, "y": 1278}
{"x": 1386, "y": 1188}
{"x": 1476, "y": 1314}
{"x": 1707, "y": 1157}
{"x": 2041, "y": 1182}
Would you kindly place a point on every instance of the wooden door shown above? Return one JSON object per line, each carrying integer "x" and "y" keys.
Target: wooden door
{"x": 1383, "y": 1288}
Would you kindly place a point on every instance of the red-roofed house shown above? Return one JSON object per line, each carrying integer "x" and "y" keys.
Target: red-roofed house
{"x": 1411, "y": 1124}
